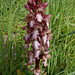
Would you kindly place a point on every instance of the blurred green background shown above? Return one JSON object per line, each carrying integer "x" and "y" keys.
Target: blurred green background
{"x": 62, "y": 25}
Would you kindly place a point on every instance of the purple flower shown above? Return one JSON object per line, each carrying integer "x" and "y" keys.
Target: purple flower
{"x": 39, "y": 17}
{"x": 35, "y": 33}
{"x": 36, "y": 45}
{"x": 48, "y": 44}
{"x": 38, "y": 34}
{"x": 26, "y": 37}
{"x": 47, "y": 23}
{"x": 32, "y": 22}
{"x": 45, "y": 62}
{"x": 37, "y": 53}
{"x": 44, "y": 39}
{"x": 30, "y": 59}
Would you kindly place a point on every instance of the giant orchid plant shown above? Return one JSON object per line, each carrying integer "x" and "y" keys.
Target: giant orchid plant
{"x": 38, "y": 35}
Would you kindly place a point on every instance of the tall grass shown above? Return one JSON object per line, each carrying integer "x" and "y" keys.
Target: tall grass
{"x": 62, "y": 25}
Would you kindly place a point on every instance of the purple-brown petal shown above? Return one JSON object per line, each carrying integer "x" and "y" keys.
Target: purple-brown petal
{"x": 46, "y": 52}
{"x": 30, "y": 1}
{"x": 44, "y": 5}
{"x": 47, "y": 17}
{"x": 24, "y": 27}
{"x": 28, "y": 8}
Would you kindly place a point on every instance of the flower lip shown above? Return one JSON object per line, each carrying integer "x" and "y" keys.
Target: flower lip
{"x": 32, "y": 22}
{"x": 27, "y": 37}
{"x": 36, "y": 45}
{"x": 47, "y": 23}
{"x": 48, "y": 44}
{"x": 37, "y": 53}
{"x": 39, "y": 17}
{"x": 44, "y": 39}
{"x": 35, "y": 34}
{"x": 30, "y": 59}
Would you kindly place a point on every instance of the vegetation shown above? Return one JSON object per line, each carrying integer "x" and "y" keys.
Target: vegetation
{"x": 62, "y": 24}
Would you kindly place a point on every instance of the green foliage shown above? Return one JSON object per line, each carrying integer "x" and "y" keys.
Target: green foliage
{"x": 62, "y": 25}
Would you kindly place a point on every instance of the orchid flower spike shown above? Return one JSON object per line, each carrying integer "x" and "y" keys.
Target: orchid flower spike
{"x": 38, "y": 35}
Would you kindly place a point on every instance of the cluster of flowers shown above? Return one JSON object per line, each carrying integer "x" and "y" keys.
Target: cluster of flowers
{"x": 38, "y": 34}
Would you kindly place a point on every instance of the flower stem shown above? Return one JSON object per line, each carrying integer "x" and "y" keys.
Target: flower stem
{"x": 37, "y": 63}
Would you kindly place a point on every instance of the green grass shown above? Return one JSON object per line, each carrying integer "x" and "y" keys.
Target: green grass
{"x": 62, "y": 25}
